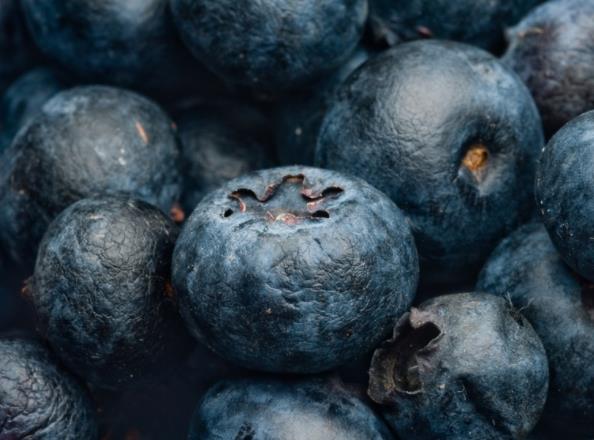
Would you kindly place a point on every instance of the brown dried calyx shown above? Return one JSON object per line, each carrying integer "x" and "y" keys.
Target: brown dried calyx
{"x": 395, "y": 365}
{"x": 289, "y": 201}
{"x": 476, "y": 158}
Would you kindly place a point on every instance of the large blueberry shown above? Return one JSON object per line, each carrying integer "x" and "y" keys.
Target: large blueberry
{"x": 218, "y": 145}
{"x": 17, "y": 51}
{"x": 85, "y": 140}
{"x": 300, "y": 114}
{"x": 527, "y": 270}
{"x": 309, "y": 409}
{"x": 101, "y": 289}
{"x": 270, "y": 45}
{"x": 565, "y": 192}
{"x": 462, "y": 366}
{"x": 128, "y": 43}
{"x": 25, "y": 98}
{"x": 38, "y": 399}
{"x": 294, "y": 269}
{"x": 552, "y": 51}
{"x": 451, "y": 136}
{"x": 478, "y": 22}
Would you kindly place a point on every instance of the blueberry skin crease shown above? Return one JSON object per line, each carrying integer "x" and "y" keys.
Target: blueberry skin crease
{"x": 565, "y": 192}
{"x": 451, "y": 136}
{"x": 272, "y": 45}
{"x": 121, "y": 42}
{"x": 551, "y": 50}
{"x": 527, "y": 270}
{"x": 268, "y": 409}
{"x": 461, "y": 366}
{"x": 85, "y": 141}
{"x": 17, "y": 51}
{"x": 100, "y": 289}
{"x": 38, "y": 399}
{"x": 215, "y": 148}
{"x": 477, "y": 22}
{"x": 281, "y": 269}
{"x": 24, "y": 99}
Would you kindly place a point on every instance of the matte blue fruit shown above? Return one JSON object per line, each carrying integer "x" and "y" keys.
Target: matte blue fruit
{"x": 308, "y": 409}
{"x": 551, "y": 50}
{"x": 461, "y": 366}
{"x": 85, "y": 141}
{"x": 526, "y": 270}
{"x": 294, "y": 269}
{"x": 38, "y": 398}
{"x": 452, "y": 136}
{"x": 270, "y": 46}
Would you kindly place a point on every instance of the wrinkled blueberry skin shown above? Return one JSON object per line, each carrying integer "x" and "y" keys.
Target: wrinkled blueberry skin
{"x": 270, "y": 46}
{"x": 528, "y": 271}
{"x": 565, "y": 192}
{"x": 38, "y": 399}
{"x": 24, "y": 99}
{"x": 86, "y": 140}
{"x": 122, "y": 42}
{"x": 405, "y": 122}
{"x": 100, "y": 289}
{"x": 461, "y": 366}
{"x": 300, "y": 115}
{"x": 266, "y": 409}
{"x": 281, "y": 269}
{"x": 17, "y": 51}
{"x": 551, "y": 50}
{"x": 215, "y": 148}
{"x": 478, "y": 22}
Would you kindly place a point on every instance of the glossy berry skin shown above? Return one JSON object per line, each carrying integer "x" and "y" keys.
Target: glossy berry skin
{"x": 218, "y": 145}
{"x": 461, "y": 366}
{"x": 17, "y": 51}
{"x": 121, "y": 42}
{"x": 85, "y": 141}
{"x": 101, "y": 287}
{"x": 477, "y": 22}
{"x": 527, "y": 270}
{"x": 299, "y": 115}
{"x": 38, "y": 399}
{"x": 565, "y": 193}
{"x": 451, "y": 136}
{"x": 308, "y": 409}
{"x": 281, "y": 269}
{"x": 270, "y": 46}
{"x": 24, "y": 99}
{"x": 551, "y": 50}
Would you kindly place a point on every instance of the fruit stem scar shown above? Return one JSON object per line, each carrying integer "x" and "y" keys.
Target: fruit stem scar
{"x": 476, "y": 158}
{"x": 142, "y": 133}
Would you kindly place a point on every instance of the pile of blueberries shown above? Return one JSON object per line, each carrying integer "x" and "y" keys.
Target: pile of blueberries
{"x": 296, "y": 219}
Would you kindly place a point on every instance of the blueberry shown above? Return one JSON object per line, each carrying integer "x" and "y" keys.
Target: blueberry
{"x": 17, "y": 51}
{"x": 294, "y": 269}
{"x": 38, "y": 399}
{"x": 270, "y": 46}
{"x": 565, "y": 192}
{"x": 216, "y": 147}
{"x": 24, "y": 99}
{"x": 461, "y": 366}
{"x": 85, "y": 140}
{"x": 306, "y": 409}
{"x": 451, "y": 136}
{"x": 478, "y": 22}
{"x": 527, "y": 270}
{"x": 121, "y": 42}
{"x": 551, "y": 50}
{"x": 101, "y": 290}
{"x": 300, "y": 114}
